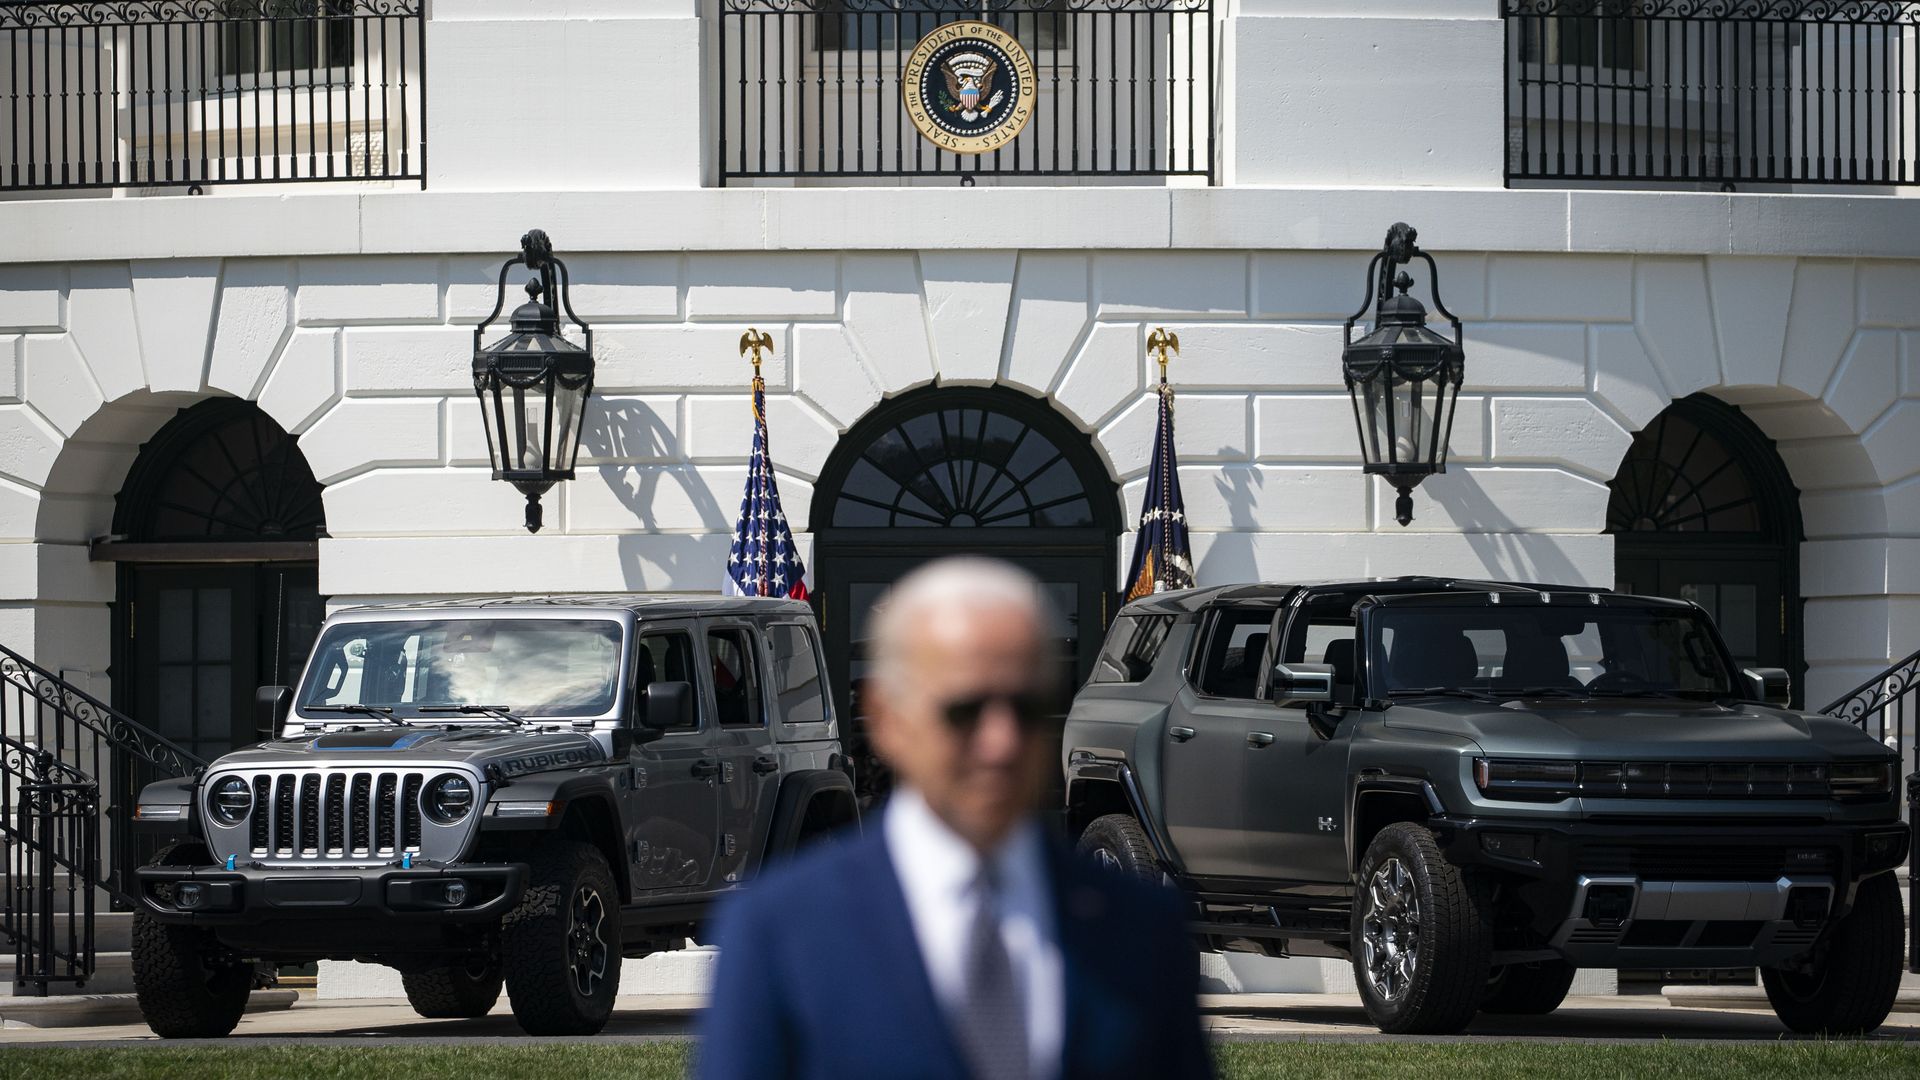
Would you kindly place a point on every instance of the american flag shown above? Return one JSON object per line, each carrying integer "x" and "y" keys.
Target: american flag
{"x": 763, "y": 561}
{"x": 1161, "y": 559}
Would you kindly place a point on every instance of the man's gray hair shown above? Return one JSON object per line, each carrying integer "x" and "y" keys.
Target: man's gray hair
{"x": 945, "y": 586}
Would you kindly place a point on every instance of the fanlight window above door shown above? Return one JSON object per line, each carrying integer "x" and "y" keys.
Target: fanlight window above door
{"x": 962, "y": 468}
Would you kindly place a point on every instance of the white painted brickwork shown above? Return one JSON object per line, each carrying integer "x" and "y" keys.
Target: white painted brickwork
{"x": 365, "y": 359}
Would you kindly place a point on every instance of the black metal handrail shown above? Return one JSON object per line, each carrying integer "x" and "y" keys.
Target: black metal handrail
{"x": 41, "y": 713}
{"x": 813, "y": 88}
{"x": 48, "y": 874}
{"x": 1881, "y": 706}
{"x": 1713, "y": 91}
{"x": 159, "y": 93}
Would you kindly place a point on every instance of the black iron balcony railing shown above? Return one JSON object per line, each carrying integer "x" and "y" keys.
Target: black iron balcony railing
{"x": 191, "y": 93}
{"x": 1713, "y": 92}
{"x": 813, "y": 88}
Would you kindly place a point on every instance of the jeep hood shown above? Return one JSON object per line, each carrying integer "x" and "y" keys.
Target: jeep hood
{"x": 1633, "y": 730}
{"x": 514, "y": 751}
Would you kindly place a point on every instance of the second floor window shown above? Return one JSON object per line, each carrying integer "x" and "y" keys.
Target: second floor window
{"x": 1615, "y": 43}
{"x": 275, "y": 37}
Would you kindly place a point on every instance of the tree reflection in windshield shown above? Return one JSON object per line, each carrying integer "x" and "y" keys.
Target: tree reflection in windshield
{"x": 535, "y": 667}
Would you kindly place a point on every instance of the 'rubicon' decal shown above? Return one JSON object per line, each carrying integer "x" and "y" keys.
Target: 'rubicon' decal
{"x": 549, "y": 759}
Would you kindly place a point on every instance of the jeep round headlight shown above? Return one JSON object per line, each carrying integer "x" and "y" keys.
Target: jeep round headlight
{"x": 231, "y": 801}
{"x": 448, "y": 799}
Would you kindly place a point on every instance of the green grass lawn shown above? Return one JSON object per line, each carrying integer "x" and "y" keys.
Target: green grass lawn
{"x": 591, "y": 1061}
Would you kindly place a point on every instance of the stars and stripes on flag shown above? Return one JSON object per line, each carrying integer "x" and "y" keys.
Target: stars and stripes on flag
{"x": 1161, "y": 559}
{"x": 764, "y": 561}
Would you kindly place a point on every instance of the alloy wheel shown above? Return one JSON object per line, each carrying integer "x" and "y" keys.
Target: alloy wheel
{"x": 1391, "y": 930}
{"x": 586, "y": 940}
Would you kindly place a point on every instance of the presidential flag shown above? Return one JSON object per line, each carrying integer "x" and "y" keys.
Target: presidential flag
{"x": 763, "y": 561}
{"x": 1161, "y": 558}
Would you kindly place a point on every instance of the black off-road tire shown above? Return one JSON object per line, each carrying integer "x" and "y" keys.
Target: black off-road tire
{"x": 459, "y": 992}
{"x": 187, "y": 987}
{"x": 1855, "y": 973}
{"x": 1444, "y": 923}
{"x": 569, "y": 917}
{"x": 1528, "y": 989}
{"x": 1118, "y": 842}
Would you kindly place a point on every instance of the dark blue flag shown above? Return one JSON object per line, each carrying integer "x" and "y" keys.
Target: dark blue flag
{"x": 1161, "y": 558}
{"x": 763, "y": 561}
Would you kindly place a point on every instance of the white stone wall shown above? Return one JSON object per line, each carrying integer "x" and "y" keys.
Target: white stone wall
{"x": 365, "y": 359}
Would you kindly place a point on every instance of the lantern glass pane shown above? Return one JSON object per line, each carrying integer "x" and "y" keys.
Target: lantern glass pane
{"x": 566, "y": 425}
{"x": 530, "y": 432}
{"x": 1376, "y": 414}
{"x": 487, "y": 424}
{"x": 1446, "y": 399}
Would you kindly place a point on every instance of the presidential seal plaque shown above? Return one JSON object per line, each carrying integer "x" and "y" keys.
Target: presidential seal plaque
{"x": 969, "y": 87}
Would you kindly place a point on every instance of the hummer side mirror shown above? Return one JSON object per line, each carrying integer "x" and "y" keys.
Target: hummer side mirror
{"x": 271, "y": 707}
{"x": 1770, "y": 684}
{"x": 669, "y": 707}
{"x": 1301, "y": 684}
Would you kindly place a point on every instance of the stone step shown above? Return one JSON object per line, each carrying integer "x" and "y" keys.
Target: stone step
{"x": 112, "y": 974}
{"x": 112, "y": 931}
{"x": 102, "y": 1010}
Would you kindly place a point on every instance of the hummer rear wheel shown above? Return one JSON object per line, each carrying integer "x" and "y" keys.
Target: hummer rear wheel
{"x": 561, "y": 945}
{"x": 1422, "y": 936}
{"x": 1850, "y": 981}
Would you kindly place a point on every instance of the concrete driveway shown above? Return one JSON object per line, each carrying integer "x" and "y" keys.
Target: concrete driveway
{"x": 1231, "y": 1017}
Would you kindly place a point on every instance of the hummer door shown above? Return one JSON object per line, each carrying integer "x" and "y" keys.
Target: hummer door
{"x": 1204, "y": 753}
{"x": 673, "y": 812}
{"x": 1296, "y": 761}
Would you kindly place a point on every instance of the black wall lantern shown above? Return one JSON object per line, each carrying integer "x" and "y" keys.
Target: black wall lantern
{"x": 533, "y": 383}
{"x": 1404, "y": 378}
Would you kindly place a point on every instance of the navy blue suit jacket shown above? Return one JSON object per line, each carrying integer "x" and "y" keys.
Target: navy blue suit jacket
{"x": 820, "y": 976}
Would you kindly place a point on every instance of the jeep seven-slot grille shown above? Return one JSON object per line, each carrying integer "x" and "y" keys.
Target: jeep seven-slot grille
{"x": 336, "y": 815}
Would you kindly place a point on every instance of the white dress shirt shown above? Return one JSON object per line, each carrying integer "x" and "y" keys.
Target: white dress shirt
{"x": 938, "y": 874}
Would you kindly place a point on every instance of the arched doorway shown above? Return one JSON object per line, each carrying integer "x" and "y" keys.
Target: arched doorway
{"x": 1703, "y": 509}
{"x": 961, "y": 470}
{"x": 216, "y": 534}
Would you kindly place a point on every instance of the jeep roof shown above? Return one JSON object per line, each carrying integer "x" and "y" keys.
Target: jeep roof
{"x": 657, "y": 605}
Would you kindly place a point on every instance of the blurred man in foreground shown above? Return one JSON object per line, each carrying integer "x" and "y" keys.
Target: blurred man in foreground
{"x": 955, "y": 938}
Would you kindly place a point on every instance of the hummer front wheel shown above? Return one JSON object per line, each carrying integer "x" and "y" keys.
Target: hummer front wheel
{"x": 1422, "y": 936}
{"x": 560, "y": 945}
{"x": 1848, "y": 985}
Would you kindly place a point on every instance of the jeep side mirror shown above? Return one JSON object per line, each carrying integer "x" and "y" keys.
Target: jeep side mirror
{"x": 1301, "y": 684}
{"x": 271, "y": 707}
{"x": 1770, "y": 684}
{"x": 669, "y": 708}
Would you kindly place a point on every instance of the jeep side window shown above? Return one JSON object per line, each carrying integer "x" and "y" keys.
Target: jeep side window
{"x": 1132, "y": 647}
{"x": 665, "y": 658}
{"x": 736, "y": 678}
{"x": 798, "y": 679}
{"x": 1231, "y": 666}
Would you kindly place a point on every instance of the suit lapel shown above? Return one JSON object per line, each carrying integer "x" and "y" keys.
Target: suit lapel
{"x": 897, "y": 950}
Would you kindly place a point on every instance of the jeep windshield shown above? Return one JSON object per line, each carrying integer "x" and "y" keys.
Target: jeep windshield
{"x": 463, "y": 669}
{"x": 1545, "y": 651}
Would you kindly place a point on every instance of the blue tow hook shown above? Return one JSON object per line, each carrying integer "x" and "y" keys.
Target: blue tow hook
{"x": 230, "y": 859}
{"x": 406, "y": 860}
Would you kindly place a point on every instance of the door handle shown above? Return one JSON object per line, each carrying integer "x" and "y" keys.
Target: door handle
{"x": 766, "y": 764}
{"x": 1181, "y": 734}
{"x": 1259, "y": 739}
{"x": 706, "y": 767}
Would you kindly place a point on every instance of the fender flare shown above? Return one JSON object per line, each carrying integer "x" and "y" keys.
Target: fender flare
{"x": 1092, "y": 769}
{"x": 797, "y": 791}
{"x": 549, "y": 787}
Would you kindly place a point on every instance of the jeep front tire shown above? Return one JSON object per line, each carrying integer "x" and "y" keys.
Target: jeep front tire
{"x": 1853, "y": 975}
{"x": 560, "y": 945}
{"x": 456, "y": 992}
{"x": 188, "y": 986}
{"x": 1422, "y": 936}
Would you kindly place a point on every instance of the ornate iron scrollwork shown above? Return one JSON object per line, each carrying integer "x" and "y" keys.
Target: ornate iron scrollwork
{"x": 101, "y": 720}
{"x": 55, "y": 14}
{"x": 1861, "y": 12}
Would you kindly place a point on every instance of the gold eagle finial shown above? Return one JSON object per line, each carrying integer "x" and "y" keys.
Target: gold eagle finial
{"x": 1160, "y": 342}
{"x": 755, "y": 341}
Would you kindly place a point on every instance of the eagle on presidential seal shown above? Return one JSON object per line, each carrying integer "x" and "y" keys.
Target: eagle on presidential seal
{"x": 969, "y": 74}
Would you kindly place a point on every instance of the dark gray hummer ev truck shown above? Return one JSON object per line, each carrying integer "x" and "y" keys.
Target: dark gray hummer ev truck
{"x": 522, "y": 790}
{"x": 1471, "y": 789}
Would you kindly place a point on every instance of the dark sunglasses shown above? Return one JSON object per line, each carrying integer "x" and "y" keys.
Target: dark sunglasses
{"x": 1031, "y": 711}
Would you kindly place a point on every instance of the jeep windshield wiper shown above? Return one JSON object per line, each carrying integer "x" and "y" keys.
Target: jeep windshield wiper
{"x": 497, "y": 712}
{"x": 384, "y": 712}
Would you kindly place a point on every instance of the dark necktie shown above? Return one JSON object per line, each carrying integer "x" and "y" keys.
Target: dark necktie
{"x": 993, "y": 1022}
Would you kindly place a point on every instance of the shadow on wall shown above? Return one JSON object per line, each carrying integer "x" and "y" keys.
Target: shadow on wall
{"x": 1504, "y": 550}
{"x": 625, "y": 434}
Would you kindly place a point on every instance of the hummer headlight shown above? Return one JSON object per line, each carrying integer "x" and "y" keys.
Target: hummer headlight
{"x": 448, "y": 799}
{"x": 1861, "y": 778}
{"x": 231, "y": 801}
